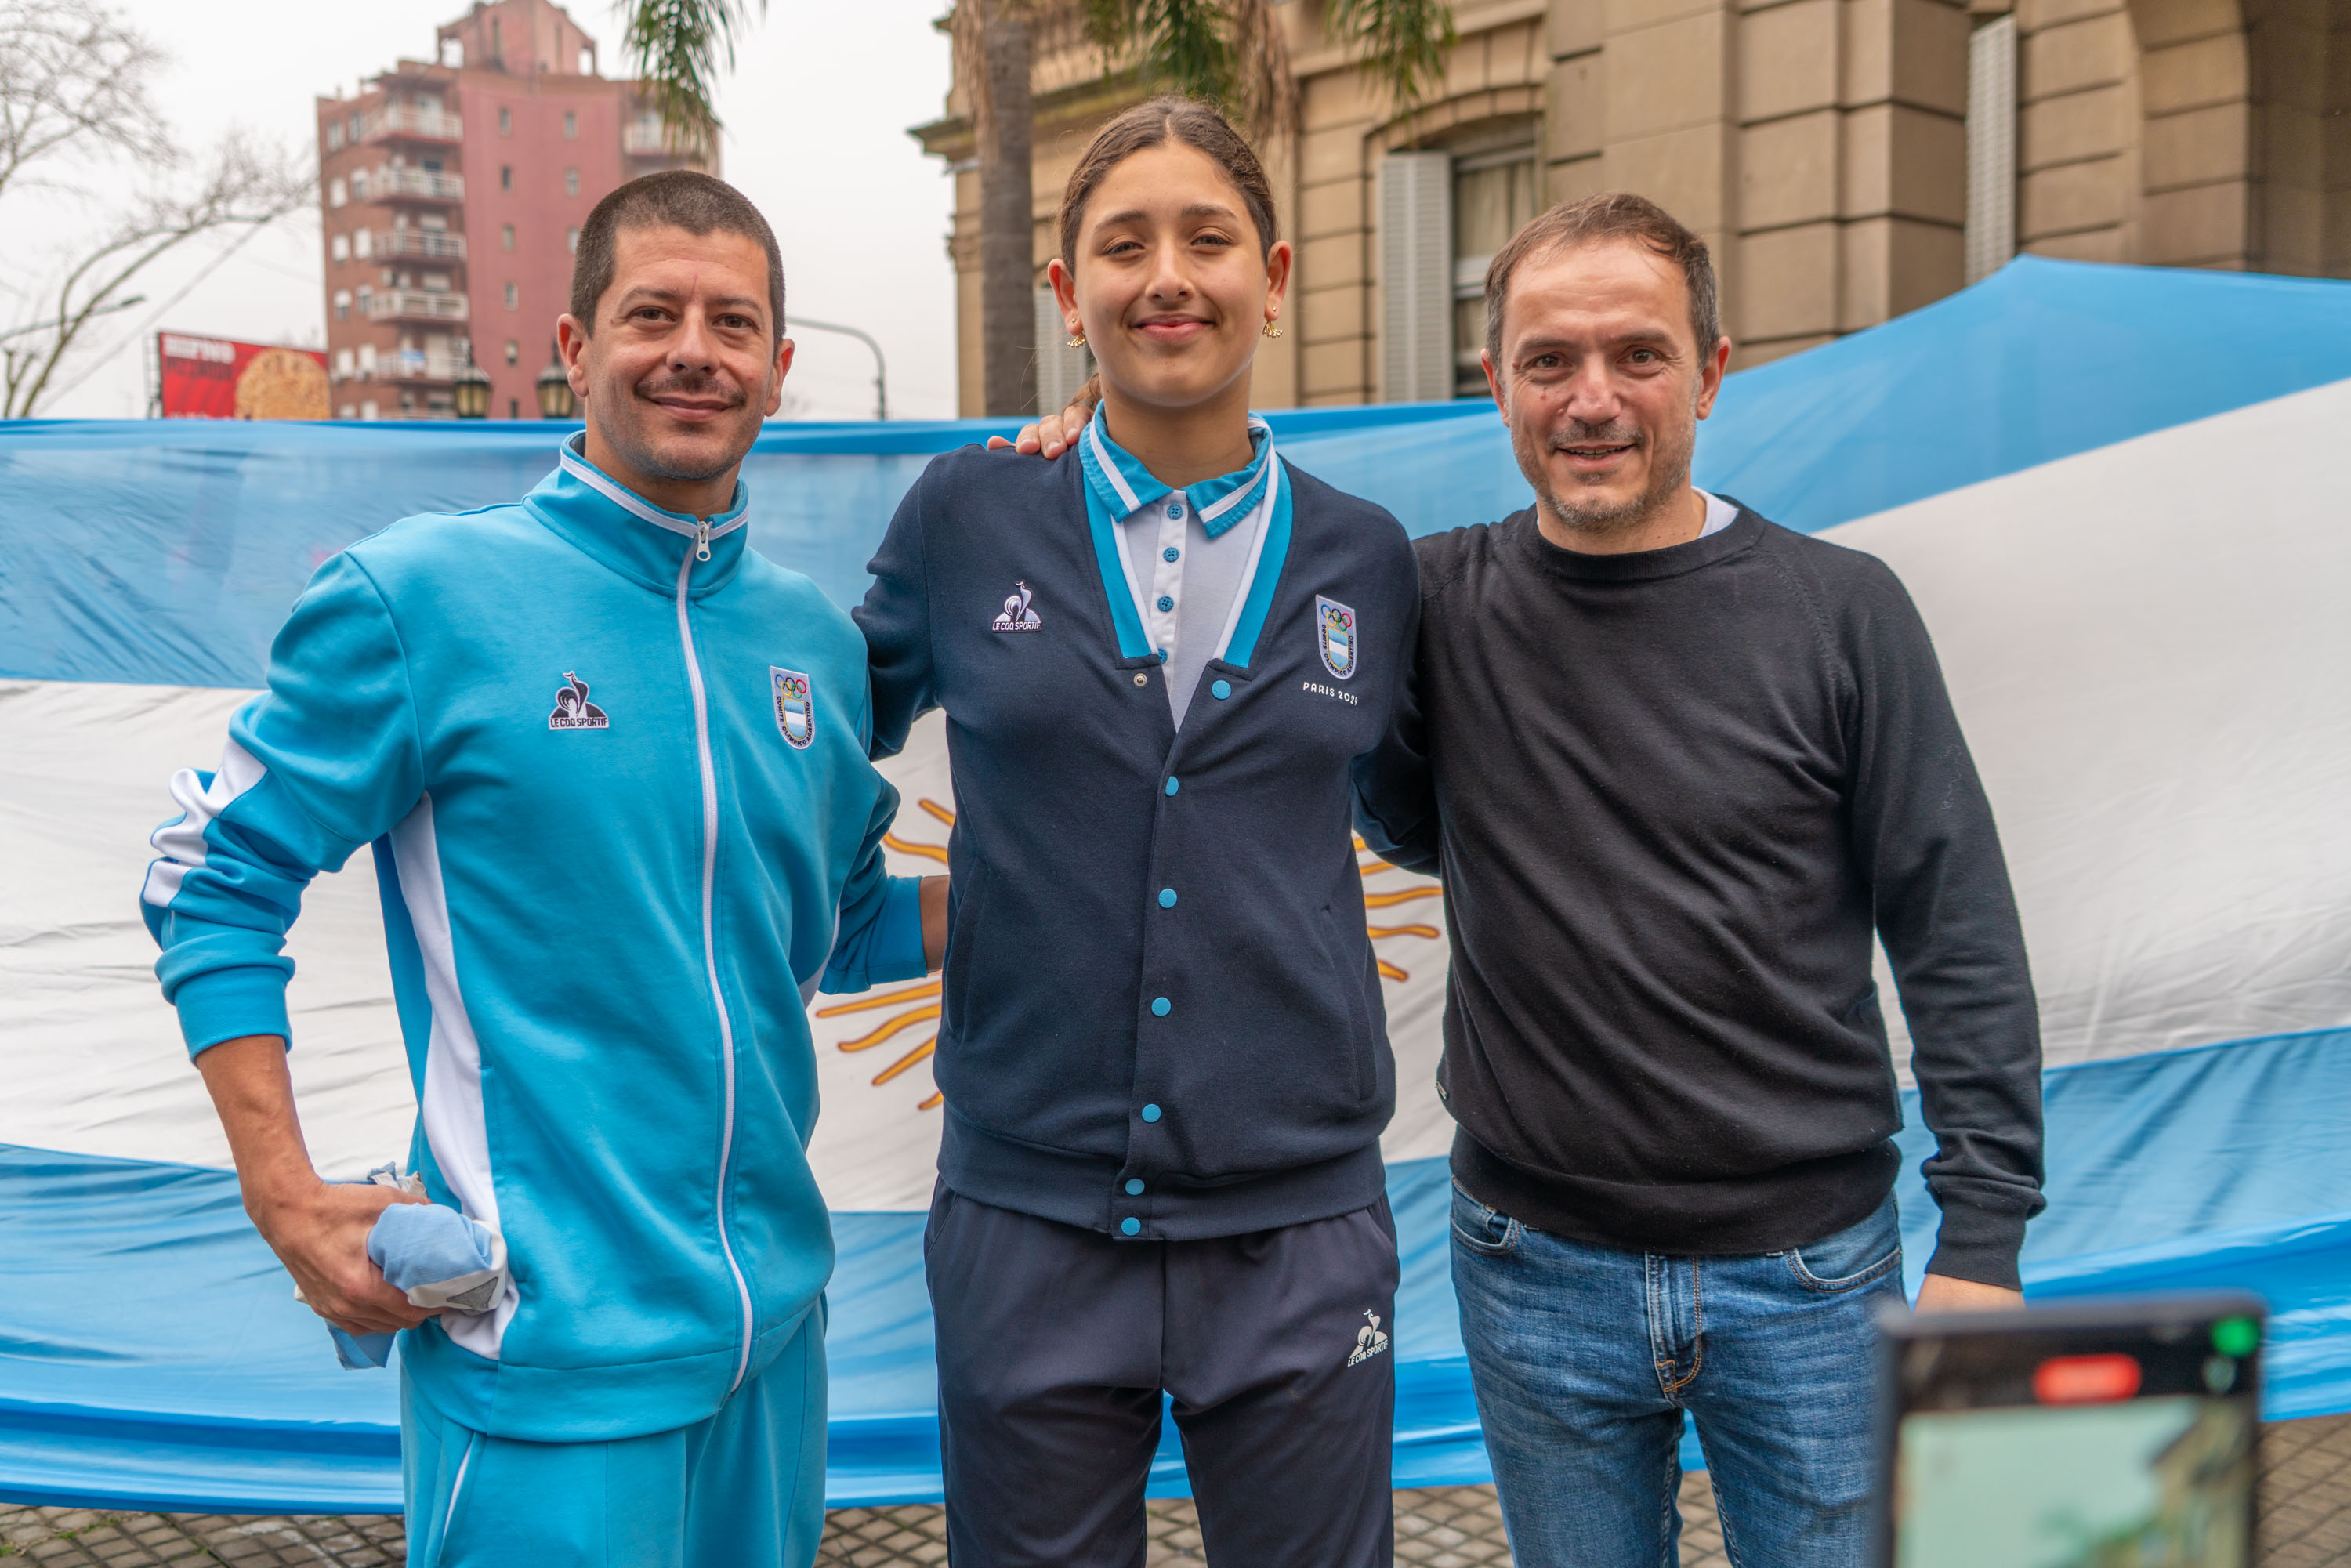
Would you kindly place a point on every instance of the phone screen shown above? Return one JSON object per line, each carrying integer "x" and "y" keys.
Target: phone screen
{"x": 2078, "y": 1448}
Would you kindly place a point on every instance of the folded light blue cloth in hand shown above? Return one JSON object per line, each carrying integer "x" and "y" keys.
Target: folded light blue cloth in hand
{"x": 436, "y": 1257}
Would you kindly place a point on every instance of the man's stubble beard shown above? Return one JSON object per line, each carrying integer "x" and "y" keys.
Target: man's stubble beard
{"x": 1669, "y": 475}
{"x": 632, "y": 444}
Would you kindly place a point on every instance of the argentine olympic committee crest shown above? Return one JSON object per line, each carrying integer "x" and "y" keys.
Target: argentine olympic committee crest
{"x": 1334, "y": 626}
{"x": 795, "y": 707}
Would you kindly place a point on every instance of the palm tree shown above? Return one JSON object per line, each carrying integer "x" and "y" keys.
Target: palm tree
{"x": 674, "y": 49}
{"x": 1231, "y": 52}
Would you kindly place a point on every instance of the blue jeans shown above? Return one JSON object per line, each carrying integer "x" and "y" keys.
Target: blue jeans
{"x": 1585, "y": 1358}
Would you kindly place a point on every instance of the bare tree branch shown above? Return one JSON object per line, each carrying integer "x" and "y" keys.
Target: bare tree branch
{"x": 74, "y": 79}
{"x": 245, "y": 183}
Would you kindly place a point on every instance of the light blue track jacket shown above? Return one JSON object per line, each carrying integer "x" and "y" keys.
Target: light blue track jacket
{"x": 613, "y": 767}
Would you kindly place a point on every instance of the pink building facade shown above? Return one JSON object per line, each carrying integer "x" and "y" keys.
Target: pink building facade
{"x": 452, "y": 192}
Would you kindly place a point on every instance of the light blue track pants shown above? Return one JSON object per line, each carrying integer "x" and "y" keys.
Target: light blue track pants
{"x": 742, "y": 1490}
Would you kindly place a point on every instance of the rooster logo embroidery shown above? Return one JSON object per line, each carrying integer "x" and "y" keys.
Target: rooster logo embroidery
{"x": 1017, "y": 614}
{"x": 795, "y": 707}
{"x": 572, "y": 708}
{"x": 1369, "y": 1340}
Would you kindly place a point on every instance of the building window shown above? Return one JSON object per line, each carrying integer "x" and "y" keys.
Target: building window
{"x": 453, "y": 52}
{"x": 587, "y": 62}
{"x": 340, "y": 247}
{"x": 336, "y": 196}
{"x": 505, "y": 123}
{"x": 1415, "y": 218}
{"x": 571, "y": 182}
{"x": 362, "y": 244}
{"x": 570, "y": 126}
{"x": 505, "y": 176}
{"x": 513, "y": 352}
{"x": 367, "y": 409}
{"x": 342, "y": 364}
{"x": 1494, "y": 194}
{"x": 352, "y": 126}
{"x": 358, "y": 185}
{"x": 366, "y": 361}
{"x": 1989, "y": 237}
{"x": 342, "y": 304}
{"x": 511, "y": 298}
{"x": 571, "y": 239}
{"x": 513, "y": 408}
{"x": 348, "y": 411}
{"x": 506, "y": 236}
{"x": 334, "y": 136}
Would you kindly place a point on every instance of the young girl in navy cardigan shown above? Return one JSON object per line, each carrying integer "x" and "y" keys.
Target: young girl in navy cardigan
{"x": 1163, "y": 1052}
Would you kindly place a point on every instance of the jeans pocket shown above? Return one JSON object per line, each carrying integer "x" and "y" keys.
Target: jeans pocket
{"x": 1486, "y": 1231}
{"x": 1851, "y": 1259}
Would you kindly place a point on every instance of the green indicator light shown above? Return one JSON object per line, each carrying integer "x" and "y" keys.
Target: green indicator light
{"x": 2236, "y": 1336}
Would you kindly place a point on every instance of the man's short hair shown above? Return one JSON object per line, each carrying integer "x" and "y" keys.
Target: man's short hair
{"x": 1611, "y": 214}
{"x": 688, "y": 199}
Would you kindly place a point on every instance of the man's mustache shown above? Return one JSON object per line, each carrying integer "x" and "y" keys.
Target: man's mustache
{"x": 693, "y": 383}
{"x": 1614, "y": 432}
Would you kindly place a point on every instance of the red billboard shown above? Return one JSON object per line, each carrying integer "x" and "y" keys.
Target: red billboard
{"x": 214, "y": 378}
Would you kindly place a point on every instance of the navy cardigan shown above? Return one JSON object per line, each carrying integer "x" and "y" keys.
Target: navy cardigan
{"x": 1161, "y": 1016}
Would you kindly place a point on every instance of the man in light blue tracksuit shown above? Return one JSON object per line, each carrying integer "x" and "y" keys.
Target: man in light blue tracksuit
{"x": 613, "y": 769}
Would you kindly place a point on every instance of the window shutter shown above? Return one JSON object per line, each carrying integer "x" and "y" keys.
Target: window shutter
{"x": 1061, "y": 369}
{"x": 1416, "y": 276}
{"x": 1991, "y": 148}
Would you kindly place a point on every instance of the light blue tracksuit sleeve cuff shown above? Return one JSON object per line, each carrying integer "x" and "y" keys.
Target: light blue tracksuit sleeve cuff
{"x": 229, "y": 1004}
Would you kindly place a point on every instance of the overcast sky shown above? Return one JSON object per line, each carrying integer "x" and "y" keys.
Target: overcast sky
{"x": 816, "y": 113}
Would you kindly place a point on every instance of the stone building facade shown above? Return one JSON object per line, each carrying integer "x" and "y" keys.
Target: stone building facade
{"x": 1846, "y": 159}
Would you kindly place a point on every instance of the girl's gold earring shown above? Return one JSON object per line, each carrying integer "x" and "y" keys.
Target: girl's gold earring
{"x": 1079, "y": 341}
{"x": 1272, "y": 330}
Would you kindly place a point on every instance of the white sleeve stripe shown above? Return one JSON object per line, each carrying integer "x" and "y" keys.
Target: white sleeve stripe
{"x": 181, "y": 841}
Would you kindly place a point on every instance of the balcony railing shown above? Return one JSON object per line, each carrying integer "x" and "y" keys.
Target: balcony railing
{"x": 390, "y": 185}
{"x": 411, "y": 365}
{"x": 639, "y": 140}
{"x": 429, "y": 245}
{"x": 413, "y": 122}
{"x": 415, "y": 305}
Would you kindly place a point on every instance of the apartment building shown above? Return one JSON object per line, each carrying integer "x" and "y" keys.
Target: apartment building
{"x": 1846, "y": 161}
{"x": 452, "y": 192}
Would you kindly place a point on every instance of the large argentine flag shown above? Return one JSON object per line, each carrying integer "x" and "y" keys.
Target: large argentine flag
{"x": 2118, "y": 496}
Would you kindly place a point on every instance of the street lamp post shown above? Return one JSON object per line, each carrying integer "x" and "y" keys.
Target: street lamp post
{"x": 880, "y": 372}
{"x": 471, "y": 391}
{"x": 556, "y": 399}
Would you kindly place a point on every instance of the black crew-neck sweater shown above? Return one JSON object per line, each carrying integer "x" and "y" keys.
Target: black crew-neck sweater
{"x": 1671, "y": 795}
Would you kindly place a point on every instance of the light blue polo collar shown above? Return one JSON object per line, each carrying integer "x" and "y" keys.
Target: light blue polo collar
{"x": 1125, "y": 485}
{"x": 619, "y": 528}
{"x": 1116, "y": 485}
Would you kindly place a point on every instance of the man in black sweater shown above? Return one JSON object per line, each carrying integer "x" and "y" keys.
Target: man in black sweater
{"x": 1677, "y": 766}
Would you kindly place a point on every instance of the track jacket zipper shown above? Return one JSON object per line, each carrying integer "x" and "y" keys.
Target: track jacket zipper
{"x": 709, "y": 932}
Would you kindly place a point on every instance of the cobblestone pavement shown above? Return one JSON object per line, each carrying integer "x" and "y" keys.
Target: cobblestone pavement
{"x": 2305, "y": 1502}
